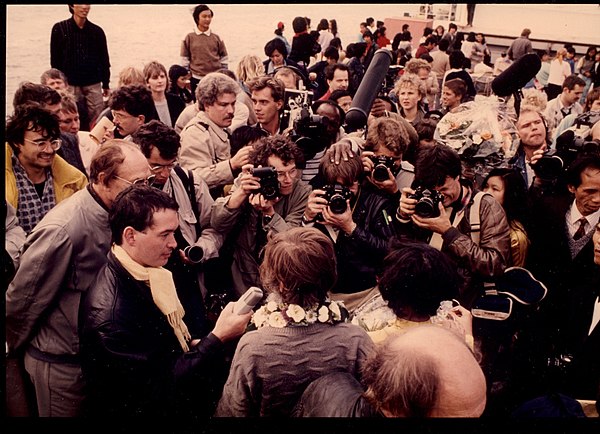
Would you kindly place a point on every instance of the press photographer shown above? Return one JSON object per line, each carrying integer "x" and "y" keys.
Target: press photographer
{"x": 571, "y": 143}
{"x": 246, "y": 216}
{"x": 355, "y": 215}
{"x": 438, "y": 168}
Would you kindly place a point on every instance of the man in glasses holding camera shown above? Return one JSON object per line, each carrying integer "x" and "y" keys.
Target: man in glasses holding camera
{"x": 267, "y": 198}
{"x": 36, "y": 178}
{"x": 437, "y": 211}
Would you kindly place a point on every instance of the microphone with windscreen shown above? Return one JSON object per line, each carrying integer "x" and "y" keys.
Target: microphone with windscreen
{"x": 356, "y": 117}
{"x": 517, "y": 75}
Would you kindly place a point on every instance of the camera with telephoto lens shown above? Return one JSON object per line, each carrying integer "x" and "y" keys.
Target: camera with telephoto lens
{"x": 570, "y": 144}
{"x": 336, "y": 196}
{"x": 382, "y": 164}
{"x": 428, "y": 201}
{"x": 194, "y": 253}
{"x": 269, "y": 184}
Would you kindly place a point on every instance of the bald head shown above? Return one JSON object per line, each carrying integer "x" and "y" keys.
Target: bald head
{"x": 433, "y": 372}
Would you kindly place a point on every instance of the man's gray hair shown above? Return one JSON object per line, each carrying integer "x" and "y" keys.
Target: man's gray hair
{"x": 212, "y": 86}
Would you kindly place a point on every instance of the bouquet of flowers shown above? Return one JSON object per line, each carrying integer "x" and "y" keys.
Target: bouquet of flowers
{"x": 482, "y": 132}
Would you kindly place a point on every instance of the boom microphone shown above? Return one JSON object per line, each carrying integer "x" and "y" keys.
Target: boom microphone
{"x": 356, "y": 117}
{"x": 517, "y": 75}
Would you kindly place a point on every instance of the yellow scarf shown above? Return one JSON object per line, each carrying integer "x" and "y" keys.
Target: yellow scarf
{"x": 163, "y": 292}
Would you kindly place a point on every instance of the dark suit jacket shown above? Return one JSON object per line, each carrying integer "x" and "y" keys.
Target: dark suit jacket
{"x": 573, "y": 285}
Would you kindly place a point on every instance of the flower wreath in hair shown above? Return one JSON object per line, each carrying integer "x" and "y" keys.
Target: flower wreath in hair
{"x": 275, "y": 313}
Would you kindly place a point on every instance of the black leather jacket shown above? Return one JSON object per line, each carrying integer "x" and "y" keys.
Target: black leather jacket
{"x": 131, "y": 359}
{"x": 360, "y": 255}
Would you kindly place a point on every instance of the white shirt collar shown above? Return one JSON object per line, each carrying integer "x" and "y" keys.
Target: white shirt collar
{"x": 198, "y": 32}
{"x": 575, "y": 215}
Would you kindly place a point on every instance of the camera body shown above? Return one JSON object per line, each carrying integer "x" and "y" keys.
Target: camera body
{"x": 569, "y": 145}
{"x": 269, "y": 184}
{"x": 428, "y": 201}
{"x": 310, "y": 132}
{"x": 382, "y": 164}
{"x": 194, "y": 253}
{"x": 336, "y": 196}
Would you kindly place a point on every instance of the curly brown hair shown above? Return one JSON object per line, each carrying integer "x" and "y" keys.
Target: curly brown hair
{"x": 279, "y": 146}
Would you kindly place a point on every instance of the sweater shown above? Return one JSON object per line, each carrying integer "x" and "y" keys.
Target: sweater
{"x": 203, "y": 53}
{"x": 272, "y": 366}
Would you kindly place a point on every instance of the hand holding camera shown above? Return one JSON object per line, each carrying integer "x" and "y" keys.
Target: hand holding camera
{"x": 425, "y": 208}
{"x": 269, "y": 184}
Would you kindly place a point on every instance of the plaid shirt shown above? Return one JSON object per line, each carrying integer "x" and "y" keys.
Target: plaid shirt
{"x": 31, "y": 208}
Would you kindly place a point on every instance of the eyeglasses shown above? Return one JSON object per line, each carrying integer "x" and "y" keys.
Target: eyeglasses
{"x": 141, "y": 181}
{"x": 42, "y": 144}
{"x": 292, "y": 173}
{"x": 159, "y": 167}
{"x": 120, "y": 116}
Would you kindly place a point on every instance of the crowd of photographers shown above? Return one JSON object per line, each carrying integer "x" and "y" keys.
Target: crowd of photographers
{"x": 523, "y": 244}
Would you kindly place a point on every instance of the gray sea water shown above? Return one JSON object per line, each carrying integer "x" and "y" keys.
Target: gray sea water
{"x": 137, "y": 34}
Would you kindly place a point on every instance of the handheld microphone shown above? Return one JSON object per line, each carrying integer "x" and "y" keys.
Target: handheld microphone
{"x": 517, "y": 75}
{"x": 356, "y": 117}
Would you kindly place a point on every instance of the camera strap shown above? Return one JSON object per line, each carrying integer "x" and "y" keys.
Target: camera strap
{"x": 436, "y": 240}
{"x": 474, "y": 220}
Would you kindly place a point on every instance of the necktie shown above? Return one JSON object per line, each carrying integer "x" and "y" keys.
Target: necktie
{"x": 581, "y": 229}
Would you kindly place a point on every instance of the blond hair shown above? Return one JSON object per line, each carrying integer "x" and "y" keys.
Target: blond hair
{"x": 250, "y": 66}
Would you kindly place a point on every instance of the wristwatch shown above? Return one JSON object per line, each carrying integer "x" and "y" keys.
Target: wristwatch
{"x": 306, "y": 221}
{"x": 267, "y": 219}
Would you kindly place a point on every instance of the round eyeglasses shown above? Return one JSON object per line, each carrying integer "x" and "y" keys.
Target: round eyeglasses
{"x": 43, "y": 143}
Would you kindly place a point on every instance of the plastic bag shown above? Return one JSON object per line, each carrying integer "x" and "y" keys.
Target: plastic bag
{"x": 483, "y": 133}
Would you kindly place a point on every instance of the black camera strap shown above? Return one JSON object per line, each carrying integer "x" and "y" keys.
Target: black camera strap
{"x": 188, "y": 184}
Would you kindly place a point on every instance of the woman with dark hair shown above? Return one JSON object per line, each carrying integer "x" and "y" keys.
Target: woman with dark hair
{"x": 508, "y": 187}
{"x": 304, "y": 45}
{"x": 179, "y": 78}
{"x": 337, "y": 43}
{"x": 333, "y": 28}
{"x": 277, "y": 55}
{"x": 325, "y": 36}
{"x": 300, "y": 334}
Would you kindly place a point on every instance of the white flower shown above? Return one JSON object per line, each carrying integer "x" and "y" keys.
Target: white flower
{"x": 323, "y": 314}
{"x": 311, "y": 317}
{"x": 477, "y": 139}
{"x": 272, "y": 306}
{"x": 276, "y": 320}
{"x": 260, "y": 317}
{"x": 295, "y": 312}
{"x": 335, "y": 309}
